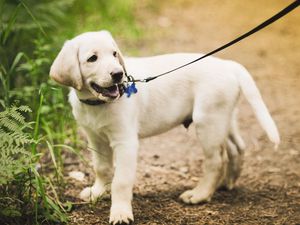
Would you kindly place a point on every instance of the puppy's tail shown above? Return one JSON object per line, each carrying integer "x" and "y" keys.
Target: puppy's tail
{"x": 254, "y": 98}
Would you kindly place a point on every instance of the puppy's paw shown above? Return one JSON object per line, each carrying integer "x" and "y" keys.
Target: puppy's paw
{"x": 121, "y": 214}
{"x": 91, "y": 194}
{"x": 228, "y": 183}
{"x": 195, "y": 196}
{"x": 232, "y": 174}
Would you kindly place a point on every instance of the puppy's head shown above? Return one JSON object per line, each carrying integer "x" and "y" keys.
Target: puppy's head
{"x": 91, "y": 61}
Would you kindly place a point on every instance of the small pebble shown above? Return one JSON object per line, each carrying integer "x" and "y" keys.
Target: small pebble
{"x": 147, "y": 175}
{"x": 184, "y": 169}
{"x": 77, "y": 175}
{"x": 156, "y": 156}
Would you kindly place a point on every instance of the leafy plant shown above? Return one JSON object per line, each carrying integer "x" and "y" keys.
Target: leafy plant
{"x": 14, "y": 157}
{"x": 20, "y": 181}
{"x": 25, "y": 73}
{"x": 30, "y": 37}
{"x": 26, "y": 192}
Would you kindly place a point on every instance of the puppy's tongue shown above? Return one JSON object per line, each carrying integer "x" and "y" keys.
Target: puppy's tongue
{"x": 112, "y": 91}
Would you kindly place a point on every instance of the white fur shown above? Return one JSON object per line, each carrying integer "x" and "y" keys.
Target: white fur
{"x": 206, "y": 92}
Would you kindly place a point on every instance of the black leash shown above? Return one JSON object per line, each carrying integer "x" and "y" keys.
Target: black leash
{"x": 131, "y": 89}
{"x": 277, "y": 16}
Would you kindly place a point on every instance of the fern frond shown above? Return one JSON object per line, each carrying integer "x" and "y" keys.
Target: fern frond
{"x": 3, "y": 114}
{"x": 14, "y": 143}
{"x": 21, "y": 139}
{"x": 9, "y": 123}
{"x": 24, "y": 108}
{"x": 15, "y": 115}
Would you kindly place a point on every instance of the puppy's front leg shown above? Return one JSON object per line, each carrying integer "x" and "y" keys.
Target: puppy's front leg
{"x": 102, "y": 163}
{"x": 125, "y": 161}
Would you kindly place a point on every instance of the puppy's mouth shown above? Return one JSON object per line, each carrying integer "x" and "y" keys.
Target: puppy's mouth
{"x": 110, "y": 92}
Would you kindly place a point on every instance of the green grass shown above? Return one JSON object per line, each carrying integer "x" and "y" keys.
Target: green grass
{"x": 33, "y": 134}
{"x": 117, "y": 16}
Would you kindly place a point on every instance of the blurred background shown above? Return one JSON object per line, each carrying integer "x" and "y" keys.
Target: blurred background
{"x": 40, "y": 144}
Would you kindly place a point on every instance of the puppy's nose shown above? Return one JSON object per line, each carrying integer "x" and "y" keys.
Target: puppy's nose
{"x": 116, "y": 76}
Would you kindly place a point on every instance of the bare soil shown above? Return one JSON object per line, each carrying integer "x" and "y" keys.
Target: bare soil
{"x": 268, "y": 191}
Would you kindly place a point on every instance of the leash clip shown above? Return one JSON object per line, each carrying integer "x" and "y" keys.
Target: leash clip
{"x": 129, "y": 86}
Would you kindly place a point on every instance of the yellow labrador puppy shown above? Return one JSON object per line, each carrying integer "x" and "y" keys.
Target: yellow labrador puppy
{"x": 205, "y": 93}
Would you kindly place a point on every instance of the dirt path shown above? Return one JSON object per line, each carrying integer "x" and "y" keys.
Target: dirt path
{"x": 268, "y": 191}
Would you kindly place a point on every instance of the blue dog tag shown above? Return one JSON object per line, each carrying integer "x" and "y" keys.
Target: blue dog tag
{"x": 130, "y": 89}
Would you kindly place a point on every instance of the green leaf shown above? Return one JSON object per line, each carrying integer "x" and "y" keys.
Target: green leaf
{"x": 33, "y": 18}
{"x": 11, "y": 22}
{"x": 16, "y": 61}
{"x": 52, "y": 155}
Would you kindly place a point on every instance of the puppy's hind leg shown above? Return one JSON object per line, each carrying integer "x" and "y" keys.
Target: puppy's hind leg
{"x": 212, "y": 130}
{"x": 235, "y": 151}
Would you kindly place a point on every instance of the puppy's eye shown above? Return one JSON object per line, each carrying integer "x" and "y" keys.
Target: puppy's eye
{"x": 93, "y": 58}
{"x": 115, "y": 53}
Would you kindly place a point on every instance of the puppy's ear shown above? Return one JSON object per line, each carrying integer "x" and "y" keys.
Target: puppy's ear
{"x": 65, "y": 69}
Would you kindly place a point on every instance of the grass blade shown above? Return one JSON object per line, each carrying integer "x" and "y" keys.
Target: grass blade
{"x": 37, "y": 125}
{"x": 10, "y": 24}
{"x": 52, "y": 155}
{"x": 33, "y": 18}
{"x": 15, "y": 62}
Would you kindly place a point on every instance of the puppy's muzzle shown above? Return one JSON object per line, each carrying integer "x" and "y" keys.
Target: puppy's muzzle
{"x": 117, "y": 76}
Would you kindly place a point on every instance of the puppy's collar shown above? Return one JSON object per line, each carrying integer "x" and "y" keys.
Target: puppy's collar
{"x": 92, "y": 101}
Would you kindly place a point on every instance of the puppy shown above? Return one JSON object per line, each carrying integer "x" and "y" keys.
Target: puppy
{"x": 205, "y": 93}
